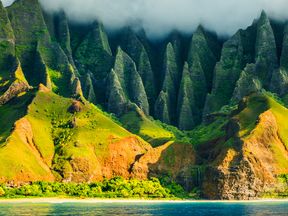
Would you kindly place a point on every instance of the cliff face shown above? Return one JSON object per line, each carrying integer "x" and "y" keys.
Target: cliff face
{"x": 253, "y": 152}
{"x": 125, "y": 77}
{"x": 228, "y": 134}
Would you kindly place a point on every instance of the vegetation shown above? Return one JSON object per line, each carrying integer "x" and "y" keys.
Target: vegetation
{"x": 208, "y": 132}
{"x": 281, "y": 190}
{"x": 154, "y": 131}
{"x": 151, "y": 131}
{"x": 58, "y": 136}
{"x": 179, "y": 136}
{"x": 280, "y": 113}
{"x": 255, "y": 105}
{"x": 113, "y": 188}
{"x": 177, "y": 190}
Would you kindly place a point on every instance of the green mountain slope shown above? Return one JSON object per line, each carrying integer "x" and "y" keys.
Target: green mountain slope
{"x": 61, "y": 133}
{"x": 246, "y": 158}
{"x": 54, "y": 138}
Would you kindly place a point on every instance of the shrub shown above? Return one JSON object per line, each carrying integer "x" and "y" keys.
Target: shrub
{"x": 29, "y": 190}
{"x": 113, "y": 188}
{"x": 2, "y": 192}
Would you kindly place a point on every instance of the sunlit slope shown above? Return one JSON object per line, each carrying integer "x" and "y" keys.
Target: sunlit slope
{"x": 68, "y": 138}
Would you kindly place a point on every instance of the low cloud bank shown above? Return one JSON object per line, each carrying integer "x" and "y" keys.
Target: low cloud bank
{"x": 159, "y": 17}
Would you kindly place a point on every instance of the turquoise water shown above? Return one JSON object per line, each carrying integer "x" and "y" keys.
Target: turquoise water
{"x": 147, "y": 209}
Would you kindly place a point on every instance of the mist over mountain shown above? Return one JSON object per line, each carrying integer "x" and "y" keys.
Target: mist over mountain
{"x": 159, "y": 17}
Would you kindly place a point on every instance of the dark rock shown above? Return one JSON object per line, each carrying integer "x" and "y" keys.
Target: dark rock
{"x": 169, "y": 87}
{"x": 127, "y": 84}
{"x": 117, "y": 100}
{"x": 132, "y": 45}
{"x": 201, "y": 52}
{"x": 75, "y": 107}
{"x": 247, "y": 83}
{"x": 186, "y": 103}
{"x": 88, "y": 89}
{"x": 279, "y": 81}
{"x": 266, "y": 51}
{"x": 236, "y": 53}
{"x": 161, "y": 108}
{"x": 93, "y": 55}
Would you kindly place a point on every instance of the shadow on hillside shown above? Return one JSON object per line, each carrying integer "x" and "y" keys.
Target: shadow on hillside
{"x": 177, "y": 163}
{"x": 12, "y": 111}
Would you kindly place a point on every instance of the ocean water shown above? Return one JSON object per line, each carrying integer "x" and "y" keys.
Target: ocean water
{"x": 147, "y": 209}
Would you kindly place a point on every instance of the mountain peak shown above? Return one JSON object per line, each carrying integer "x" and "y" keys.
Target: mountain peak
{"x": 200, "y": 29}
{"x": 264, "y": 19}
{"x": 119, "y": 51}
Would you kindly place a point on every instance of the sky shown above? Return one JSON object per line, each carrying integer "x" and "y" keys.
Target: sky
{"x": 159, "y": 17}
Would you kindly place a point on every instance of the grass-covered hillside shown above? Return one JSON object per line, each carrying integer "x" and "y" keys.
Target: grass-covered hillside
{"x": 47, "y": 137}
{"x": 249, "y": 152}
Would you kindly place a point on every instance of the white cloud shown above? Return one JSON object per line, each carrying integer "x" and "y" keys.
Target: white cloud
{"x": 159, "y": 17}
{"x": 7, "y": 2}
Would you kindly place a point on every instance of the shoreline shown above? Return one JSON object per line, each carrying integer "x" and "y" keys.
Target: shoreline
{"x": 59, "y": 200}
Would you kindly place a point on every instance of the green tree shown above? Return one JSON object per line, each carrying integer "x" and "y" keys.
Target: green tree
{"x": 2, "y": 192}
